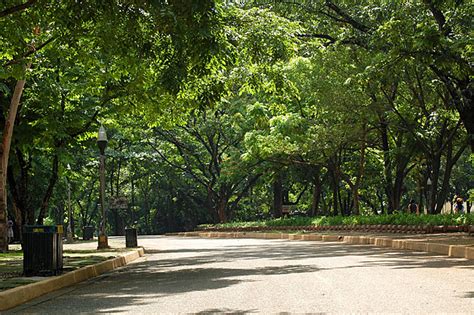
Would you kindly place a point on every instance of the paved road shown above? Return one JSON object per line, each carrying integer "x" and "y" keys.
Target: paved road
{"x": 192, "y": 275}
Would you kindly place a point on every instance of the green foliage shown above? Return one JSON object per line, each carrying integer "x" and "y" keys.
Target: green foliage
{"x": 207, "y": 102}
{"x": 397, "y": 219}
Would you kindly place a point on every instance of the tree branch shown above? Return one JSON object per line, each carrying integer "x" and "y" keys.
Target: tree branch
{"x": 244, "y": 190}
{"x": 438, "y": 16}
{"x": 301, "y": 195}
{"x": 450, "y": 135}
{"x": 17, "y": 8}
{"x": 406, "y": 123}
{"x": 31, "y": 51}
{"x": 459, "y": 153}
{"x": 316, "y": 35}
{"x": 174, "y": 165}
{"x": 346, "y": 17}
{"x": 85, "y": 127}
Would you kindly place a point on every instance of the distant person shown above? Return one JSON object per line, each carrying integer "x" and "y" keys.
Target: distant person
{"x": 459, "y": 205}
{"x": 413, "y": 207}
{"x": 10, "y": 234}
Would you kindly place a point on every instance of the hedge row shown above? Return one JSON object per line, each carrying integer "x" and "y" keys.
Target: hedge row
{"x": 396, "y": 219}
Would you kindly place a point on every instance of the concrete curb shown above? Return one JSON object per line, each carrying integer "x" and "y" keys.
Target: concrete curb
{"x": 459, "y": 251}
{"x": 19, "y": 295}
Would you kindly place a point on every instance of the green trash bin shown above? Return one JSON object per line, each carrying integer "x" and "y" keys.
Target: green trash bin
{"x": 42, "y": 250}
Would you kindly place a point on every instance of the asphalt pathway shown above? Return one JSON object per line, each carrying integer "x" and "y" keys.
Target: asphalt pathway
{"x": 235, "y": 276}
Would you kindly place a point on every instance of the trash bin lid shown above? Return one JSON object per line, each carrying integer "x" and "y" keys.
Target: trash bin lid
{"x": 43, "y": 229}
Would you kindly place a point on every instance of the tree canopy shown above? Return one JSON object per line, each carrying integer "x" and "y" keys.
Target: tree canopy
{"x": 232, "y": 110}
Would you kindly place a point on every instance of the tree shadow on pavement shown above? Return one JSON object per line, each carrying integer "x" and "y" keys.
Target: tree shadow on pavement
{"x": 135, "y": 284}
{"x": 225, "y": 311}
{"x": 283, "y": 250}
{"x": 178, "y": 271}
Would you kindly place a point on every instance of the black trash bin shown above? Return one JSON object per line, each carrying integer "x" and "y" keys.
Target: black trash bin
{"x": 42, "y": 250}
{"x": 88, "y": 233}
{"x": 131, "y": 237}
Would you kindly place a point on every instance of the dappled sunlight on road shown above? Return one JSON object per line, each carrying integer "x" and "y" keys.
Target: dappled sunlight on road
{"x": 238, "y": 276}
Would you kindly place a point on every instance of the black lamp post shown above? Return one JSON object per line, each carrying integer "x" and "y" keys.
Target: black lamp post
{"x": 102, "y": 143}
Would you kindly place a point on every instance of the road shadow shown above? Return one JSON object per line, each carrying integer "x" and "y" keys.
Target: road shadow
{"x": 225, "y": 311}
{"x": 129, "y": 286}
{"x": 183, "y": 270}
{"x": 300, "y": 250}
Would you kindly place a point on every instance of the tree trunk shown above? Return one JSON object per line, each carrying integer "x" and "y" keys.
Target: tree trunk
{"x": 4, "y": 155}
{"x": 118, "y": 218}
{"x": 397, "y": 190}
{"x": 18, "y": 198}
{"x": 146, "y": 202}
{"x": 462, "y": 95}
{"x": 387, "y": 162}
{"x": 73, "y": 224}
{"x": 342, "y": 207}
{"x": 316, "y": 192}
{"x": 380, "y": 199}
{"x": 450, "y": 162}
{"x": 221, "y": 209}
{"x": 49, "y": 191}
{"x": 132, "y": 205}
{"x": 277, "y": 196}
{"x": 421, "y": 193}
{"x": 360, "y": 171}
{"x": 393, "y": 187}
{"x": 433, "y": 174}
{"x": 18, "y": 222}
{"x": 335, "y": 192}
{"x": 211, "y": 204}
{"x": 326, "y": 207}
{"x": 467, "y": 116}
{"x": 245, "y": 190}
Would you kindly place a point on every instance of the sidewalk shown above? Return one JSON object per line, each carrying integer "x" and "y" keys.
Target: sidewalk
{"x": 81, "y": 261}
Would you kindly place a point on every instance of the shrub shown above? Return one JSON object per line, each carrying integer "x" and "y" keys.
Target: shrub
{"x": 397, "y": 218}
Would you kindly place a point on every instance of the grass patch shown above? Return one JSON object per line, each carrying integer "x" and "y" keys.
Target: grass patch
{"x": 75, "y": 262}
{"x": 95, "y": 251}
{"x": 11, "y": 255}
{"x": 14, "y": 282}
{"x": 11, "y": 264}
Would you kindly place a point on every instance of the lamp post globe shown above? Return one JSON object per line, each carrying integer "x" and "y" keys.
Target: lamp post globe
{"x": 102, "y": 140}
{"x": 102, "y": 144}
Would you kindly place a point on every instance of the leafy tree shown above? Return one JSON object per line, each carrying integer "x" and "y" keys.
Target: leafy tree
{"x": 435, "y": 34}
{"x": 119, "y": 30}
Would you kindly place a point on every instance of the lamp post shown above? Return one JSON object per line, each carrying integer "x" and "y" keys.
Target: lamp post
{"x": 102, "y": 144}
{"x": 69, "y": 234}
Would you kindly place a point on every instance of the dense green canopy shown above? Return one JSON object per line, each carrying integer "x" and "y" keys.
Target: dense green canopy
{"x": 225, "y": 110}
